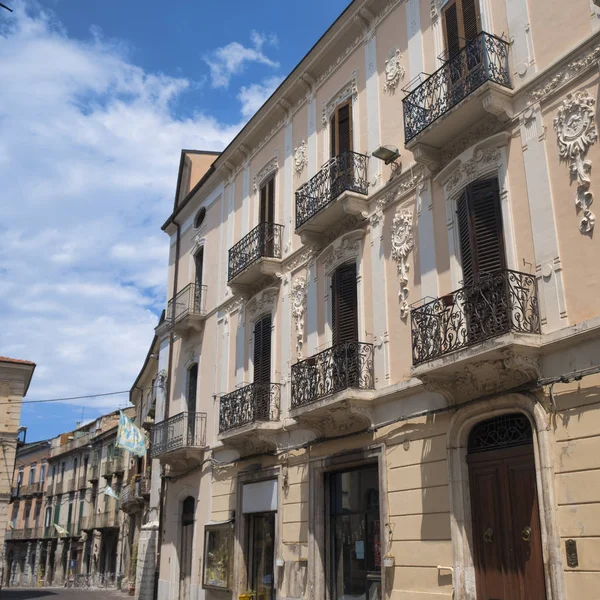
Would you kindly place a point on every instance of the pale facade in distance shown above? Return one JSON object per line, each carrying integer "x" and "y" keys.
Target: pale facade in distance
{"x": 15, "y": 377}
{"x": 382, "y": 379}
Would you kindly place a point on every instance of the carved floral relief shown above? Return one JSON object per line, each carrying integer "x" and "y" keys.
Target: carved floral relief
{"x": 394, "y": 71}
{"x": 300, "y": 157}
{"x": 402, "y": 244}
{"x": 298, "y": 302}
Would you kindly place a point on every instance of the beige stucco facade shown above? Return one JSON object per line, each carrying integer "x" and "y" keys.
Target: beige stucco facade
{"x": 423, "y": 388}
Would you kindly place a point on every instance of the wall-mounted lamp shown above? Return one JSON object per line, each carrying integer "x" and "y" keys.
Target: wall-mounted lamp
{"x": 388, "y": 153}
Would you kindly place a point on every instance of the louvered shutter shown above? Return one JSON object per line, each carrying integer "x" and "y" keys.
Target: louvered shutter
{"x": 451, "y": 24}
{"x": 262, "y": 350}
{"x": 263, "y": 204}
{"x": 470, "y": 19}
{"x": 271, "y": 201}
{"x": 199, "y": 260}
{"x": 344, "y": 129}
{"x": 192, "y": 388}
{"x": 480, "y": 229}
{"x": 333, "y": 135}
{"x": 344, "y": 305}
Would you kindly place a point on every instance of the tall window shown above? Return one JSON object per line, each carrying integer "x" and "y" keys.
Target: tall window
{"x": 462, "y": 23}
{"x": 19, "y": 479}
{"x": 262, "y": 350}
{"x": 48, "y": 516}
{"x": 43, "y": 473}
{"x": 15, "y": 512}
{"x": 37, "y": 513}
{"x": 199, "y": 264}
{"x": 340, "y": 129}
{"x": 267, "y": 201}
{"x": 192, "y": 391}
{"x": 74, "y": 468}
{"x": 27, "y": 514}
{"x": 344, "y": 305}
{"x": 62, "y": 471}
{"x": 70, "y": 513}
{"x": 480, "y": 229}
{"x": 32, "y": 470}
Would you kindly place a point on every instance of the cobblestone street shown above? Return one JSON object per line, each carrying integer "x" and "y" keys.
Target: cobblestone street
{"x": 57, "y": 594}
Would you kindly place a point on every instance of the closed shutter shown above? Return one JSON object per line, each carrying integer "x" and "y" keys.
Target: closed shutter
{"x": 262, "y": 350}
{"x": 344, "y": 305}
{"x": 451, "y": 28}
{"x": 341, "y": 129}
{"x": 470, "y": 19}
{"x": 333, "y": 135}
{"x": 461, "y": 22}
{"x": 267, "y": 202}
{"x": 192, "y": 388}
{"x": 199, "y": 260}
{"x": 480, "y": 229}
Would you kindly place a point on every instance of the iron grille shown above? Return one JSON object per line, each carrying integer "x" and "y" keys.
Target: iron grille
{"x": 264, "y": 241}
{"x": 252, "y": 403}
{"x": 185, "y": 430}
{"x": 345, "y": 172}
{"x": 191, "y": 300}
{"x": 482, "y": 59}
{"x": 505, "y": 431}
{"x": 343, "y": 366}
{"x": 493, "y": 304}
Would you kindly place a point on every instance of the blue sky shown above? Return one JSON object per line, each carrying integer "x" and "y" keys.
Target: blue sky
{"x": 97, "y": 99}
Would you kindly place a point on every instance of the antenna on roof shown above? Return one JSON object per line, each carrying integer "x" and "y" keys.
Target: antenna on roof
{"x": 6, "y": 7}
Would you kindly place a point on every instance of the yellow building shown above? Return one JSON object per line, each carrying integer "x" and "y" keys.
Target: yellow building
{"x": 381, "y": 341}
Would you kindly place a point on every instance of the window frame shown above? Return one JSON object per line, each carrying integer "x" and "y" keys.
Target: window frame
{"x": 226, "y": 529}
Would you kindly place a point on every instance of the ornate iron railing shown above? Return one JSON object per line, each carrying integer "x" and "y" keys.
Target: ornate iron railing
{"x": 264, "y": 241}
{"x": 493, "y": 304}
{"x": 191, "y": 300}
{"x": 185, "y": 430}
{"x": 252, "y": 403}
{"x": 347, "y": 365}
{"x": 484, "y": 58}
{"x": 345, "y": 172}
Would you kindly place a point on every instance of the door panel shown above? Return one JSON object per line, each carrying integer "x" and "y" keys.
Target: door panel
{"x": 185, "y": 573}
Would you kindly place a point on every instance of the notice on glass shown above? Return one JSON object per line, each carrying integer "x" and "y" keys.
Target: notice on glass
{"x": 359, "y": 549}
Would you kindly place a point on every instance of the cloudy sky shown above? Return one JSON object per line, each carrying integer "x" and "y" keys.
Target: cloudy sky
{"x": 97, "y": 97}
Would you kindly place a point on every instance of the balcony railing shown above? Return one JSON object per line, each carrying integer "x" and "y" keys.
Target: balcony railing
{"x": 106, "y": 519}
{"x": 185, "y": 430}
{"x": 345, "y": 172}
{"x": 484, "y": 58}
{"x": 347, "y": 365}
{"x": 264, "y": 241}
{"x": 30, "y": 489}
{"x": 250, "y": 404}
{"x": 494, "y": 304}
{"x": 191, "y": 300}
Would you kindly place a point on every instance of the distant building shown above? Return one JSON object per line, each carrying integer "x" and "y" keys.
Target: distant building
{"x": 15, "y": 377}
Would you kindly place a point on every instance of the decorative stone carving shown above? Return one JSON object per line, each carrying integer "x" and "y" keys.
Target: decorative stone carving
{"x": 481, "y": 130}
{"x": 350, "y": 90}
{"x": 298, "y": 298}
{"x": 394, "y": 71}
{"x": 576, "y": 131}
{"x": 300, "y": 157}
{"x": 470, "y": 170}
{"x": 263, "y": 302}
{"x": 298, "y": 260}
{"x": 406, "y": 183}
{"x": 342, "y": 250}
{"x": 267, "y": 170}
{"x": 402, "y": 244}
{"x": 565, "y": 74}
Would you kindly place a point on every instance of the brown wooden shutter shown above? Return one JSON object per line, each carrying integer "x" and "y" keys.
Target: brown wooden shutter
{"x": 344, "y": 305}
{"x": 262, "y": 350}
{"x": 333, "y": 135}
{"x": 192, "y": 387}
{"x": 481, "y": 239}
{"x": 451, "y": 29}
{"x": 199, "y": 260}
{"x": 267, "y": 201}
{"x": 470, "y": 19}
{"x": 461, "y": 22}
{"x": 344, "y": 129}
{"x": 263, "y": 204}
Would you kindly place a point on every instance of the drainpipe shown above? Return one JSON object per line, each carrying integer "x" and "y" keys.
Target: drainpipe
{"x": 163, "y": 482}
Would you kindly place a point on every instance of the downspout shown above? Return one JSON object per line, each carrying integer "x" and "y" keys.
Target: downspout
{"x": 163, "y": 483}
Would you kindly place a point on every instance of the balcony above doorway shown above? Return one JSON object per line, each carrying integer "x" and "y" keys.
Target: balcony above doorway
{"x": 187, "y": 310}
{"x": 333, "y": 389}
{"x": 481, "y": 338}
{"x": 467, "y": 87}
{"x": 180, "y": 440}
{"x": 340, "y": 188}
{"x": 255, "y": 257}
{"x": 248, "y": 414}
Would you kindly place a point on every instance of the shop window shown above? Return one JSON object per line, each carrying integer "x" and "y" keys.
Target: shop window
{"x": 218, "y": 551}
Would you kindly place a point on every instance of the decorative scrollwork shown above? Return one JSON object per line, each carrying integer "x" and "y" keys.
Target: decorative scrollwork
{"x": 394, "y": 71}
{"x": 345, "y": 172}
{"x": 402, "y": 244}
{"x": 343, "y": 366}
{"x": 576, "y": 131}
{"x": 300, "y": 158}
{"x": 482, "y": 59}
{"x": 264, "y": 241}
{"x": 493, "y": 304}
{"x": 249, "y": 404}
{"x": 298, "y": 297}
{"x": 505, "y": 431}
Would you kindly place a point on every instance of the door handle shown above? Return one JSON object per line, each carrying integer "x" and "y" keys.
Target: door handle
{"x": 488, "y": 535}
{"x": 526, "y": 534}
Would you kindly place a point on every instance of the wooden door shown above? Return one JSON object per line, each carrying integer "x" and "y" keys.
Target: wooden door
{"x": 187, "y": 547}
{"x": 342, "y": 163}
{"x": 262, "y": 368}
{"x": 507, "y": 548}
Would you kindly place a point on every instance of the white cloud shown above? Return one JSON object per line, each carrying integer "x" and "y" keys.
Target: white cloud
{"x": 89, "y": 150}
{"x": 231, "y": 59}
{"x": 253, "y": 96}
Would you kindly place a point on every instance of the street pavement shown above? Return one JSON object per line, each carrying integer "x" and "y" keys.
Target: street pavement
{"x": 58, "y": 594}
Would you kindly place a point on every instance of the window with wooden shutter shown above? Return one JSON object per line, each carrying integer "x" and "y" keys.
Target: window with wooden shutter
{"x": 462, "y": 23}
{"x": 344, "y": 305}
{"x": 262, "y": 350}
{"x": 199, "y": 262}
{"x": 192, "y": 387}
{"x": 479, "y": 218}
{"x": 341, "y": 129}
{"x": 267, "y": 201}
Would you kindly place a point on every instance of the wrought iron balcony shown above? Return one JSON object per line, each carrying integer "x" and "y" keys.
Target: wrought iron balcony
{"x": 494, "y": 304}
{"x": 132, "y": 495}
{"x": 30, "y": 489}
{"x": 188, "y": 307}
{"x": 347, "y": 172}
{"x": 483, "y": 59}
{"x": 185, "y": 431}
{"x": 344, "y": 366}
{"x": 256, "y": 254}
{"x": 250, "y": 404}
{"x": 106, "y": 520}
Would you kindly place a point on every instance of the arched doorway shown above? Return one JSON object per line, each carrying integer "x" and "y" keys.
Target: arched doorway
{"x": 507, "y": 546}
{"x": 187, "y": 547}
